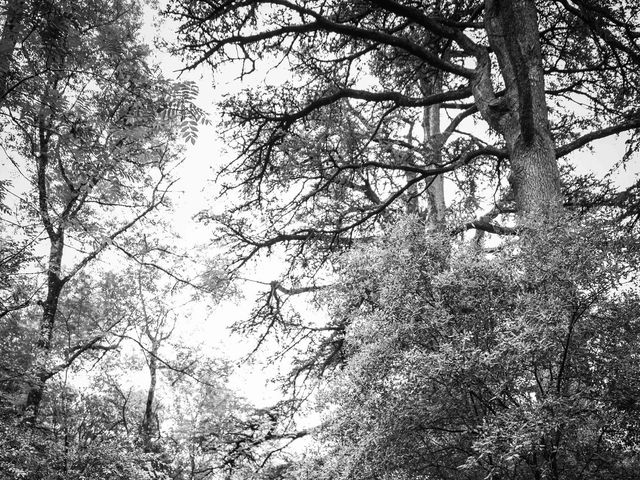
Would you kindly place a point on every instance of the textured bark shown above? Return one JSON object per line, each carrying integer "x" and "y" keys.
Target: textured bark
{"x": 535, "y": 177}
{"x": 521, "y": 114}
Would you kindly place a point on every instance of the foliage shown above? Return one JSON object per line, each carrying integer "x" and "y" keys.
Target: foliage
{"x": 444, "y": 356}
{"x": 93, "y": 131}
{"x": 86, "y": 445}
{"x": 516, "y": 364}
{"x": 341, "y": 139}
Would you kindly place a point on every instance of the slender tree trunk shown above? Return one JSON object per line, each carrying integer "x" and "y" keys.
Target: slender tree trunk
{"x": 54, "y": 289}
{"x": 413, "y": 200}
{"x": 55, "y": 283}
{"x": 149, "y": 425}
{"x": 147, "y": 428}
{"x": 47, "y": 325}
{"x": 433, "y": 151}
{"x": 520, "y": 115}
{"x": 431, "y": 146}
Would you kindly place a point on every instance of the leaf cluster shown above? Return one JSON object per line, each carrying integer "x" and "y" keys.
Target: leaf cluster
{"x": 520, "y": 364}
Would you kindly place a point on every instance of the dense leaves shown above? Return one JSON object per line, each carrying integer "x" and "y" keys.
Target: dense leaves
{"x": 517, "y": 364}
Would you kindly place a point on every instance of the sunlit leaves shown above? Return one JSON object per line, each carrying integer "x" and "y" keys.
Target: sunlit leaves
{"x": 467, "y": 365}
{"x": 180, "y": 107}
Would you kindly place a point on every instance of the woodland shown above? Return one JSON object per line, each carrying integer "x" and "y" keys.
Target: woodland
{"x": 448, "y": 187}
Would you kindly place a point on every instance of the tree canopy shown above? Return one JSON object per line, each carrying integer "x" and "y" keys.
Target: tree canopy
{"x": 451, "y": 292}
{"x": 512, "y": 81}
{"x": 513, "y": 365}
{"x": 93, "y": 133}
{"x": 379, "y": 101}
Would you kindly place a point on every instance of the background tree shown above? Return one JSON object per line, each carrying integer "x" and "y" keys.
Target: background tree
{"x": 98, "y": 126}
{"x": 93, "y": 132}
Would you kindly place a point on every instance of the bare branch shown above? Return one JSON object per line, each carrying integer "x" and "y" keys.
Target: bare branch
{"x": 596, "y": 135}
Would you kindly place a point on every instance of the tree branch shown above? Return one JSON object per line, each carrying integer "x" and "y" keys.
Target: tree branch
{"x": 596, "y": 135}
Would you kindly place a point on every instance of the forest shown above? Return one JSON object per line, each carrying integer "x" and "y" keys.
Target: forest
{"x": 417, "y": 255}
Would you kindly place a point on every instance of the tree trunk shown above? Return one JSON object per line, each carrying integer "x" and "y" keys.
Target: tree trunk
{"x": 535, "y": 177}
{"x": 55, "y": 283}
{"x": 520, "y": 115}
{"x": 147, "y": 428}
{"x": 433, "y": 151}
{"x": 47, "y": 325}
{"x": 413, "y": 195}
{"x": 431, "y": 146}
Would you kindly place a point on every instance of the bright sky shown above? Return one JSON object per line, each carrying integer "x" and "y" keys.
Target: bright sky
{"x": 198, "y": 192}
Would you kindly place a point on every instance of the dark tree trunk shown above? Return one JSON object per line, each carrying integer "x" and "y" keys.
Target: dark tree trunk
{"x": 47, "y": 325}
{"x": 55, "y": 283}
{"x": 521, "y": 114}
{"x": 148, "y": 427}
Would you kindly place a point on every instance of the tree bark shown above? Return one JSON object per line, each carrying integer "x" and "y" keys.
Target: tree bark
{"x": 433, "y": 151}
{"x": 47, "y": 325}
{"x": 147, "y": 428}
{"x": 431, "y": 145}
{"x": 521, "y": 114}
{"x": 55, "y": 283}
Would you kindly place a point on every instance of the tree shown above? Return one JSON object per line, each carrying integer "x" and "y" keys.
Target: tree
{"x": 333, "y": 154}
{"x": 333, "y": 133}
{"x": 96, "y": 127}
{"x": 508, "y": 366}
{"x": 329, "y": 156}
{"x": 336, "y": 152}
{"x": 80, "y": 430}
{"x": 88, "y": 266}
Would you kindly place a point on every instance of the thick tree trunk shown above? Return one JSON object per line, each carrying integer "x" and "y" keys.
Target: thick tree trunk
{"x": 521, "y": 114}
{"x": 535, "y": 177}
